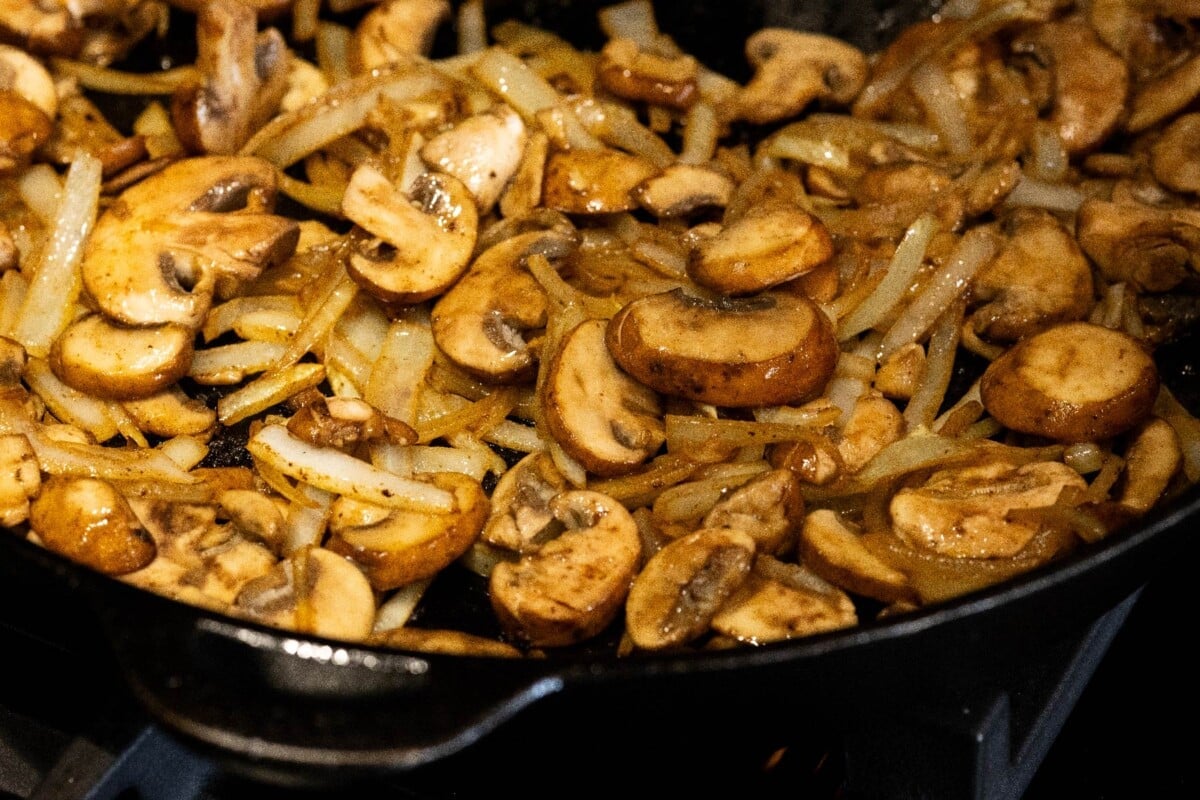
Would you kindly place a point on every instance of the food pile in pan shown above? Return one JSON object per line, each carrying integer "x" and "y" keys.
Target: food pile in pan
{"x": 660, "y": 355}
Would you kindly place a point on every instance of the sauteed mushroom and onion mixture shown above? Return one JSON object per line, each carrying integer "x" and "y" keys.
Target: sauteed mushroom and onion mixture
{"x": 664, "y": 357}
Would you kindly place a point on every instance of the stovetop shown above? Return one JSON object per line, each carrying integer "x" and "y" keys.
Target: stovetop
{"x": 68, "y": 730}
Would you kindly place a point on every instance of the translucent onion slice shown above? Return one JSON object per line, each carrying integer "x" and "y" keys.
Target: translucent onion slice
{"x": 268, "y": 390}
{"x": 396, "y": 611}
{"x": 901, "y": 272}
{"x": 336, "y": 472}
{"x": 112, "y": 81}
{"x": 95, "y": 461}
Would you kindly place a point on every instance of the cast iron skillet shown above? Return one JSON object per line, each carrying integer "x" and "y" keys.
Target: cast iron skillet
{"x": 295, "y": 708}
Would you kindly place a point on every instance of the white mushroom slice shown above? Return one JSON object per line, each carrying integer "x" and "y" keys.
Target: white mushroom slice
{"x": 874, "y": 423}
{"x": 396, "y": 547}
{"x": 23, "y": 74}
{"x": 256, "y": 516}
{"x": 714, "y": 351}
{"x": 1175, "y": 157}
{"x": 963, "y": 512}
{"x": 1091, "y": 82}
{"x": 88, "y": 521}
{"x": 244, "y": 76}
{"x": 1154, "y": 249}
{"x": 681, "y": 588}
{"x": 41, "y": 27}
{"x": 108, "y": 360}
{"x": 573, "y": 587}
{"x": 314, "y": 591}
{"x": 832, "y": 550}
{"x": 604, "y": 419}
{"x": 779, "y": 602}
{"x": 681, "y": 189}
{"x": 199, "y": 227}
{"x": 418, "y": 245}
{"x": 769, "y": 507}
{"x": 1040, "y": 277}
{"x": 792, "y": 69}
{"x": 1150, "y": 463}
{"x": 521, "y": 517}
{"x": 1075, "y": 382}
{"x": 20, "y": 478}
{"x": 481, "y": 321}
{"x": 395, "y": 30}
{"x": 594, "y": 181}
{"x": 628, "y": 71}
{"x": 483, "y": 151}
{"x": 172, "y": 413}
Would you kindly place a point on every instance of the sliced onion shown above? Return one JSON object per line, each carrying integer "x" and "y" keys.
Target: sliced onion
{"x": 939, "y": 369}
{"x": 941, "y": 101}
{"x": 334, "y": 471}
{"x": 396, "y": 611}
{"x": 95, "y": 461}
{"x": 901, "y": 272}
{"x": 1050, "y": 196}
{"x": 70, "y": 405}
{"x": 111, "y": 81}
{"x": 186, "y": 451}
{"x": 306, "y": 520}
{"x": 398, "y": 375}
{"x": 229, "y": 364}
{"x": 269, "y": 390}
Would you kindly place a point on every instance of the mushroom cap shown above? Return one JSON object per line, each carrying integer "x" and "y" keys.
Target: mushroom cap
{"x": 770, "y": 349}
{"x": 105, "y": 359}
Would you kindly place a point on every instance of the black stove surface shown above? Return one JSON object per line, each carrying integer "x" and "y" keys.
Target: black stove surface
{"x": 66, "y": 723}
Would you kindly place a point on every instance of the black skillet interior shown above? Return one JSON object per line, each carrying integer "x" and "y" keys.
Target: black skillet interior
{"x": 296, "y": 708}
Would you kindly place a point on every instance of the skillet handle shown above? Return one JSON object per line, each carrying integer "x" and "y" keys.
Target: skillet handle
{"x": 285, "y": 708}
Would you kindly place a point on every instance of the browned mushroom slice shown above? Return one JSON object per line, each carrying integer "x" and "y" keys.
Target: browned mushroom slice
{"x": 395, "y": 546}
{"x": 1175, "y": 157}
{"x": 20, "y": 478}
{"x": 792, "y": 69}
{"x": 521, "y": 517}
{"x": 573, "y": 587}
{"x": 87, "y": 520}
{"x": 601, "y": 417}
{"x": 1165, "y": 95}
{"x": 418, "y": 245}
{"x": 197, "y": 228}
{"x": 23, "y": 128}
{"x": 681, "y": 588}
{"x": 1154, "y": 249}
{"x": 481, "y": 321}
{"x": 483, "y": 151}
{"x": 964, "y": 512}
{"x": 627, "y": 71}
{"x": 81, "y": 126}
{"x": 769, "y": 507}
{"x": 265, "y": 9}
{"x": 109, "y": 360}
{"x": 1091, "y": 81}
{"x": 48, "y": 28}
{"x": 449, "y": 642}
{"x": 395, "y": 30}
{"x": 314, "y": 591}
{"x": 1039, "y": 278}
{"x": 683, "y": 188}
{"x": 1151, "y": 462}
{"x": 769, "y": 245}
{"x": 172, "y": 413}
{"x": 713, "y": 351}
{"x": 26, "y": 76}
{"x": 1075, "y": 382}
{"x": 243, "y": 78}
{"x": 594, "y": 181}
{"x": 833, "y": 550}
{"x": 779, "y": 602}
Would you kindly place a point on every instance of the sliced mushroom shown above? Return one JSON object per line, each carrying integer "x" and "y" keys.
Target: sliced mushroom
{"x": 1091, "y": 81}
{"x": 108, "y": 360}
{"x": 830, "y": 548}
{"x": 1175, "y": 156}
{"x": 769, "y": 245}
{"x": 449, "y": 642}
{"x": 314, "y": 591}
{"x": 200, "y": 227}
{"x": 480, "y": 323}
{"x": 23, "y": 128}
{"x": 395, "y": 547}
{"x": 573, "y": 587}
{"x": 1165, "y": 95}
{"x": 1151, "y": 462}
{"x": 172, "y": 413}
{"x": 769, "y": 507}
{"x": 630, "y": 72}
{"x": 395, "y": 30}
{"x": 1040, "y": 277}
{"x": 873, "y": 424}
{"x": 48, "y": 28}
{"x": 483, "y": 151}
{"x": 779, "y": 602}
{"x": 87, "y": 520}
{"x": 255, "y": 515}
{"x": 594, "y": 181}
{"x": 81, "y": 126}
{"x": 601, "y": 417}
{"x": 681, "y": 189}
{"x": 964, "y": 512}
{"x": 1075, "y": 382}
{"x": 792, "y": 69}
{"x": 20, "y": 478}
{"x": 714, "y": 351}
{"x": 682, "y": 587}
{"x": 26, "y": 76}
{"x": 418, "y": 245}
{"x": 521, "y": 518}
{"x": 901, "y": 371}
{"x": 1153, "y": 249}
